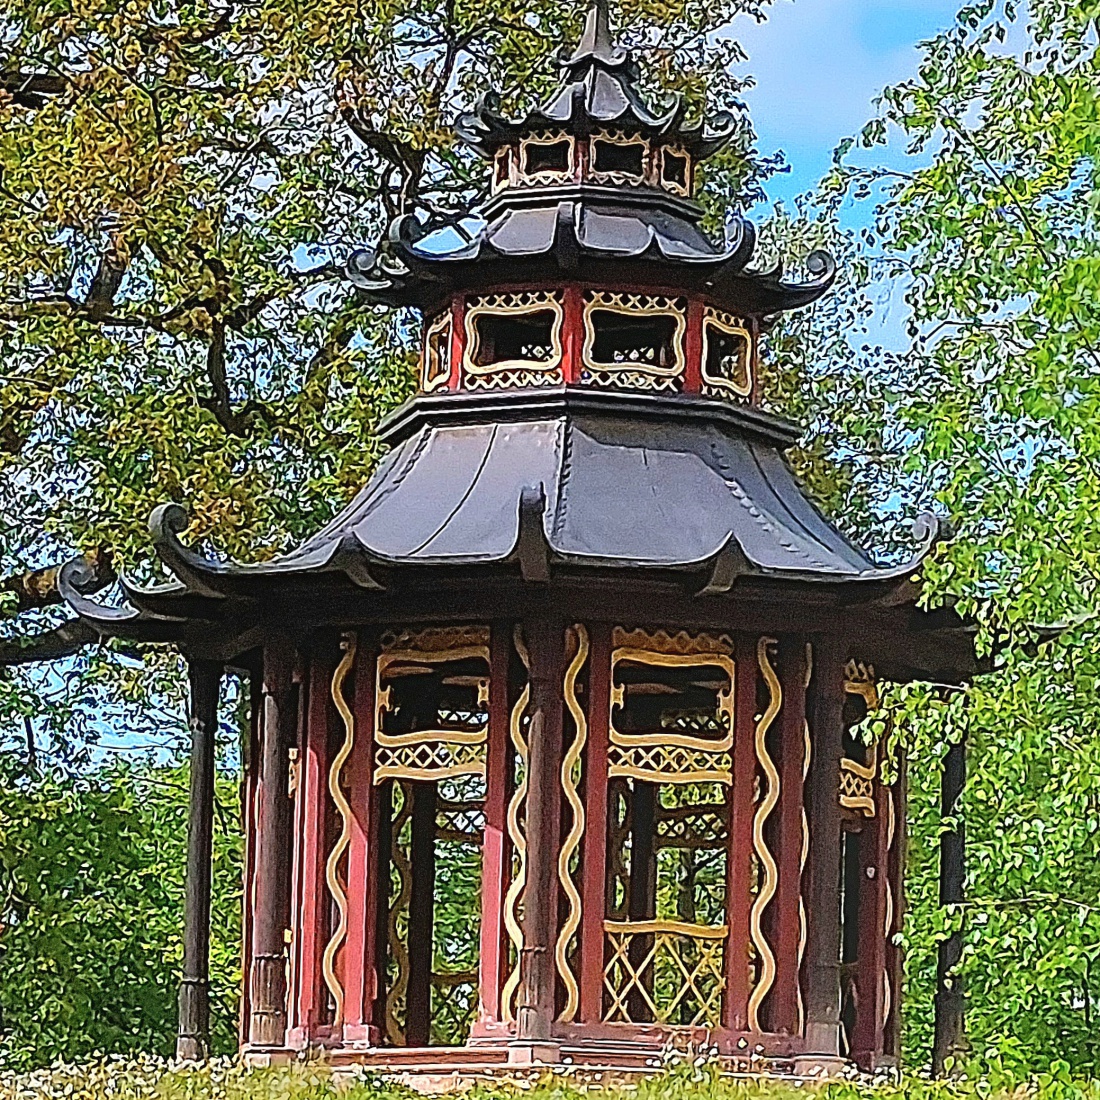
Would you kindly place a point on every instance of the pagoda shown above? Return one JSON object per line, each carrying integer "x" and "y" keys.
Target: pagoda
{"x": 555, "y": 751}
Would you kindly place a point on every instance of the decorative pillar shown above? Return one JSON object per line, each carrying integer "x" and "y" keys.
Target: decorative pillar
{"x": 311, "y": 805}
{"x": 535, "y": 1015}
{"x": 271, "y": 913}
{"x": 359, "y": 975}
{"x": 789, "y": 838}
{"x": 872, "y": 979}
{"x": 821, "y": 1033}
{"x": 496, "y": 849}
{"x": 594, "y": 860}
{"x": 950, "y": 1002}
{"x": 193, "y": 1039}
{"x": 739, "y": 856}
{"x": 418, "y": 995}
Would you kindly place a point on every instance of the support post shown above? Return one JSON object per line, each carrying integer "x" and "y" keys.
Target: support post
{"x": 535, "y": 1015}
{"x": 784, "y": 912}
{"x": 950, "y": 1002}
{"x": 193, "y": 1039}
{"x": 418, "y": 997}
{"x": 594, "y": 890}
{"x": 267, "y": 1027}
{"x": 496, "y": 849}
{"x": 821, "y": 1036}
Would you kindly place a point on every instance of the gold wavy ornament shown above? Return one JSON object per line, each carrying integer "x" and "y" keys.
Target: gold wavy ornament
{"x": 343, "y": 807}
{"x": 764, "y": 953}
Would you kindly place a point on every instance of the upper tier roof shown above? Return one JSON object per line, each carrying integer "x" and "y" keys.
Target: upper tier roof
{"x": 599, "y": 91}
{"x": 578, "y": 220}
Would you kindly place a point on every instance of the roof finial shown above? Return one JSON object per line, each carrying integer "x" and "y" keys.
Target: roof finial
{"x": 596, "y": 43}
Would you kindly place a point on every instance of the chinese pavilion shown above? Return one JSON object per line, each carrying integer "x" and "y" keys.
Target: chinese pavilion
{"x": 552, "y": 756}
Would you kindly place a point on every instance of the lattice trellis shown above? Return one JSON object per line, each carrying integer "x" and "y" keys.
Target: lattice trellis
{"x": 678, "y": 976}
{"x": 454, "y": 1006}
{"x": 669, "y": 763}
{"x": 857, "y": 781}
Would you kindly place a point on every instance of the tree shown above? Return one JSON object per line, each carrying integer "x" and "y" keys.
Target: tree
{"x": 180, "y": 184}
{"x": 91, "y": 876}
{"x": 995, "y": 412}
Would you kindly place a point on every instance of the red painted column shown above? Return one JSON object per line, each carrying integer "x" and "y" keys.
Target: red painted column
{"x": 896, "y": 873}
{"x": 867, "y": 1034}
{"x": 735, "y": 1010}
{"x": 271, "y": 907}
{"x": 311, "y": 895}
{"x": 572, "y": 335}
{"x": 594, "y": 857}
{"x": 693, "y": 347}
{"x": 788, "y": 837}
{"x": 821, "y": 974}
{"x": 359, "y": 947}
{"x": 249, "y": 791}
{"x": 458, "y": 340}
{"x": 496, "y": 849}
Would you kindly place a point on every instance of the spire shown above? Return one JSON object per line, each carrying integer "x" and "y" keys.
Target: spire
{"x": 596, "y": 43}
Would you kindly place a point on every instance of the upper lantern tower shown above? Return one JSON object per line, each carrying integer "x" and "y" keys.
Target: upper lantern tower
{"x": 589, "y": 266}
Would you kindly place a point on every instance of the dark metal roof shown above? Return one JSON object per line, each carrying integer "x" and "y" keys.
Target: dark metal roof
{"x": 600, "y": 234}
{"x": 599, "y": 90}
{"x": 557, "y": 479}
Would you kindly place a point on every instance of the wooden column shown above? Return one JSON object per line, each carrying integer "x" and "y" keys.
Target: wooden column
{"x": 193, "y": 1039}
{"x": 252, "y": 753}
{"x": 267, "y": 1026}
{"x": 896, "y": 870}
{"x": 785, "y": 919}
{"x": 496, "y": 852}
{"x": 418, "y": 998}
{"x": 535, "y": 1015}
{"x": 359, "y": 948}
{"x": 309, "y": 919}
{"x": 874, "y": 882}
{"x": 735, "y": 1008}
{"x": 594, "y": 860}
{"x": 950, "y": 1001}
{"x": 822, "y": 964}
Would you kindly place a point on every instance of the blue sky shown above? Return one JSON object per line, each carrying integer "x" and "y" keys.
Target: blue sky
{"x": 818, "y": 66}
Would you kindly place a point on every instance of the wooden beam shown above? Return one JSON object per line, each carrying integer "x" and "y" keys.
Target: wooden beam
{"x": 271, "y": 913}
{"x": 535, "y": 1015}
{"x": 193, "y": 1038}
{"x": 821, "y": 1034}
{"x": 950, "y": 1001}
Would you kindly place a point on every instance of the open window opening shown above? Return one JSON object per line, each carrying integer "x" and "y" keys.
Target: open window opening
{"x": 726, "y": 357}
{"x": 546, "y": 157}
{"x": 674, "y": 171}
{"x": 668, "y": 837}
{"x": 509, "y": 338}
{"x": 431, "y": 726}
{"x": 622, "y": 339}
{"x": 619, "y": 158}
{"x": 437, "y": 353}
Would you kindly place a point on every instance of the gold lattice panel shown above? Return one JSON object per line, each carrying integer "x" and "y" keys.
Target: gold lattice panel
{"x": 674, "y": 971}
{"x": 513, "y": 372}
{"x": 634, "y": 374}
{"x": 857, "y": 781}
{"x": 431, "y": 754}
{"x": 715, "y": 325}
{"x": 682, "y": 752}
{"x": 669, "y": 763}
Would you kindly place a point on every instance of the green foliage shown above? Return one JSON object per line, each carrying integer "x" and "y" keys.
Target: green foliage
{"x": 150, "y": 1079}
{"x": 994, "y": 413}
{"x": 91, "y": 876}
